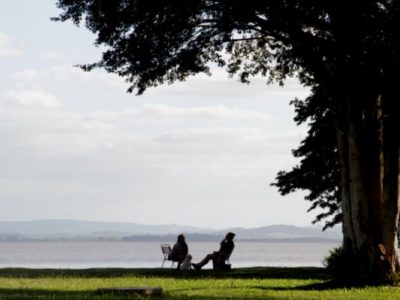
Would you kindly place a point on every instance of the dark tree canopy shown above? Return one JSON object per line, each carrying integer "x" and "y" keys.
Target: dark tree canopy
{"x": 151, "y": 42}
{"x": 147, "y": 49}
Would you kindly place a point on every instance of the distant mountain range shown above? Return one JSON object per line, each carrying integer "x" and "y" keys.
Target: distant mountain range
{"x": 74, "y": 229}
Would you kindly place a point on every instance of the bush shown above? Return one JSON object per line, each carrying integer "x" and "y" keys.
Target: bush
{"x": 345, "y": 268}
{"x": 342, "y": 266}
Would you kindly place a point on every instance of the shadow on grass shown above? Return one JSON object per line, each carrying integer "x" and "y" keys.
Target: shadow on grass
{"x": 242, "y": 273}
{"x": 327, "y": 285}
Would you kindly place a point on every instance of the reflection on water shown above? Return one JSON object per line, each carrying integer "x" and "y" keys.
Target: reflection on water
{"x": 148, "y": 254}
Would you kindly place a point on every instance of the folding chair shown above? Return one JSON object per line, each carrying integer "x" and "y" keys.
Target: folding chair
{"x": 166, "y": 251}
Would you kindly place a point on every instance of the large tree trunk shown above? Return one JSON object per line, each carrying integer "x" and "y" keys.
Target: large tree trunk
{"x": 368, "y": 144}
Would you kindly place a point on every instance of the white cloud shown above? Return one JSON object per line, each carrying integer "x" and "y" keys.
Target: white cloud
{"x": 8, "y": 47}
{"x": 32, "y": 98}
{"x": 98, "y": 77}
{"x": 26, "y": 75}
{"x": 106, "y": 116}
{"x": 57, "y": 73}
{"x": 247, "y": 136}
{"x": 50, "y": 55}
{"x": 201, "y": 135}
{"x": 66, "y": 72}
{"x": 205, "y": 112}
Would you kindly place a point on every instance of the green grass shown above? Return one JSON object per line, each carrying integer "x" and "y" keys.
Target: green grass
{"x": 246, "y": 283}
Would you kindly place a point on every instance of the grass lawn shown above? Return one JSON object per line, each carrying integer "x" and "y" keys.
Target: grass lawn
{"x": 246, "y": 283}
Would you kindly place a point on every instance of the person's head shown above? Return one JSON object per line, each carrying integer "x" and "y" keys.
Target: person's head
{"x": 229, "y": 236}
{"x": 181, "y": 238}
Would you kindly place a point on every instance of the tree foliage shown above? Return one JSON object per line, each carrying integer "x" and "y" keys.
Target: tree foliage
{"x": 151, "y": 42}
{"x": 318, "y": 171}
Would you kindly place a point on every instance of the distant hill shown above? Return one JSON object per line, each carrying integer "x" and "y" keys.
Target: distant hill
{"x": 74, "y": 229}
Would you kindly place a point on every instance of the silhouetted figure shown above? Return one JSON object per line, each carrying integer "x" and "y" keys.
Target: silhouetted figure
{"x": 225, "y": 250}
{"x": 180, "y": 250}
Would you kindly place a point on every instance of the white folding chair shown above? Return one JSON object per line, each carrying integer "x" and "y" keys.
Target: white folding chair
{"x": 166, "y": 251}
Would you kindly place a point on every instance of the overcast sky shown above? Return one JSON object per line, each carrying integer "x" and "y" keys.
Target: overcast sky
{"x": 75, "y": 145}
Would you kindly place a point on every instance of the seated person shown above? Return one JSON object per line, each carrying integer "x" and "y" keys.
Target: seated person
{"x": 225, "y": 250}
{"x": 180, "y": 250}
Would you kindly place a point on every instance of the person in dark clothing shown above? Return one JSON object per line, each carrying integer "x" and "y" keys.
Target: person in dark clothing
{"x": 226, "y": 247}
{"x": 179, "y": 250}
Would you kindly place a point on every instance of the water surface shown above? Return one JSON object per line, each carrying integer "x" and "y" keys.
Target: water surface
{"x": 98, "y": 254}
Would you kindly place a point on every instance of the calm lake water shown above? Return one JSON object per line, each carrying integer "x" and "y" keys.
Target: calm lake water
{"x": 148, "y": 254}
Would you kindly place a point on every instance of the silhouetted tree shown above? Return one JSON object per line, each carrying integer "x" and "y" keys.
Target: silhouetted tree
{"x": 348, "y": 48}
{"x": 318, "y": 171}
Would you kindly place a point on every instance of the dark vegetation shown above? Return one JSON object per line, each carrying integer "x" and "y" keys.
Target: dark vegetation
{"x": 242, "y": 273}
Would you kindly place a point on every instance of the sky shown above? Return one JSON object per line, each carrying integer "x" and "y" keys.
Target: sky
{"x": 76, "y": 145}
